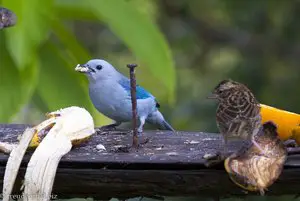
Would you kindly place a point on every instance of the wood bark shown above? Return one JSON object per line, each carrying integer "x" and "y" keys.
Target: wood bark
{"x": 167, "y": 165}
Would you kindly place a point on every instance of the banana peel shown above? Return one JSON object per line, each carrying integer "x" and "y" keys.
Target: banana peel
{"x": 288, "y": 123}
{"x": 38, "y": 137}
{"x": 54, "y": 137}
{"x": 252, "y": 170}
{"x": 256, "y": 170}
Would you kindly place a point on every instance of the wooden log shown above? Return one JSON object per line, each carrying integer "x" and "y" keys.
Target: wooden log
{"x": 168, "y": 165}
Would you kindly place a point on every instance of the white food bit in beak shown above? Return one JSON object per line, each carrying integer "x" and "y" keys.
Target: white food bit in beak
{"x": 81, "y": 69}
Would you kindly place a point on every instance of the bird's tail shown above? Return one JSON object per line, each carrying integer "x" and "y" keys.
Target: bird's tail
{"x": 157, "y": 118}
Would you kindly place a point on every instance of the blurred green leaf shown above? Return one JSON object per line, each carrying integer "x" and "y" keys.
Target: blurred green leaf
{"x": 79, "y": 10}
{"x": 68, "y": 39}
{"x": 16, "y": 86}
{"x": 76, "y": 54}
{"x": 60, "y": 86}
{"x": 150, "y": 8}
{"x": 31, "y": 29}
{"x": 39, "y": 103}
{"x": 142, "y": 36}
{"x": 10, "y": 85}
{"x": 29, "y": 79}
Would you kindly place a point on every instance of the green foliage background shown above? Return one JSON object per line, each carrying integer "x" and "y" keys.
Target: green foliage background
{"x": 39, "y": 54}
{"x": 183, "y": 48}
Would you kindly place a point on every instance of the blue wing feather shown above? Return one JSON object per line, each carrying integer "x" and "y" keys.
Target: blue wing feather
{"x": 141, "y": 93}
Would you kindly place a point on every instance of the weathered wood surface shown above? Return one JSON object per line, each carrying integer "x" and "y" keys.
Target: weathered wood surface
{"x": 168, "y": 165}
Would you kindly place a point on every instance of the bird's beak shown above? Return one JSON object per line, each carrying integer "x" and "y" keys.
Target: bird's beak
{"x": 212, "y": 96}
{"x": 82, "y": 68}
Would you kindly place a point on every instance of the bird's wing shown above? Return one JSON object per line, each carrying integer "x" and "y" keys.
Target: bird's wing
{"x": 248, "y": 106}
{"x": 249, "y": 111}
{"x": 141, "y": 93}
{"x": 228, "y": 118}
{"x": 227, "y": 113}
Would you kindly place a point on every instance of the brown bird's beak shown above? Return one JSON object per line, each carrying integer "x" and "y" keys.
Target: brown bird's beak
{"x": 212, "y": 96}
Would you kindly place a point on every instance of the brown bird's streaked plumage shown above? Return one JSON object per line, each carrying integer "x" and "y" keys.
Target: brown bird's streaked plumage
{"x": 238, "y": 113}
{"x": 254, "y": 170}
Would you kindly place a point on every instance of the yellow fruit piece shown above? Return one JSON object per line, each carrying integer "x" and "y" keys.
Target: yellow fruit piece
{"x": 296, "y": 134}
{"x": 35, "y": 141}
{"x": 288, "y": 123}
{"x": 80, "y": 141}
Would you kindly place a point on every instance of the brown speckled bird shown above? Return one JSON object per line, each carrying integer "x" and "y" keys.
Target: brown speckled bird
{"x": 254, "y": 170}
{"x": 238, "y": 113}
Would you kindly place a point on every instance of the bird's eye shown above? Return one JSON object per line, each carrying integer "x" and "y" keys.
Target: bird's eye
{"x": 99, "y": 67}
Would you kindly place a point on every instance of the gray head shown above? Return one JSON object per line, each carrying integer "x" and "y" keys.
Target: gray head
{"x": 97, "y": 69}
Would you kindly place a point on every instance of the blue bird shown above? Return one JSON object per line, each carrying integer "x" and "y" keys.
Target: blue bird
{"x": 109, "y": 91}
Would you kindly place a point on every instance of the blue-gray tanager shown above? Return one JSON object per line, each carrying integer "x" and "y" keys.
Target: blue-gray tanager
{"x": 109, "y": 91}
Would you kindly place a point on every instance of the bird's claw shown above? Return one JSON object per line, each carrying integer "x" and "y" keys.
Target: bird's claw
{"x": 131, "y": 148}
{"x": 108, "y": 127}
{"x": 290, "y": 143}
{"x": 127, "y": 149}
{"x": 293, "y": 150}
{"x": 292, "y": 147}
{"x": 214, "y": 159}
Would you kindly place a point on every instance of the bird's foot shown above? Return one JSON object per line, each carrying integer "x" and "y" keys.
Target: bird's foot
{"x": 214, "y": 159}
{"x": 292, "y": 147}
{"x": 262, "y": 191}
{"x": 293, "y": 150}
{"x": 145, "y": 141}
{"x": 262, "y": 151}
{"x": 109, "y": 127}
{"x": 290, "y": 143}
{"x": 139, "y": 131}
{"x": 137, "y": 144}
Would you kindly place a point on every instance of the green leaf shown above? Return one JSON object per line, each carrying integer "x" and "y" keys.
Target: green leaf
{"x": 30, "y": 30}
{"x": 142, "y": 36}
{"x": 68, "y": 39}
{"x": 10, "y": 85}
{"x": 78, "y": 10}
{"x": 28, "y": 77}
{"x": 39, "y": 103}
{"x": 61, "y": 86}
{"x": 76, "y": 54}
